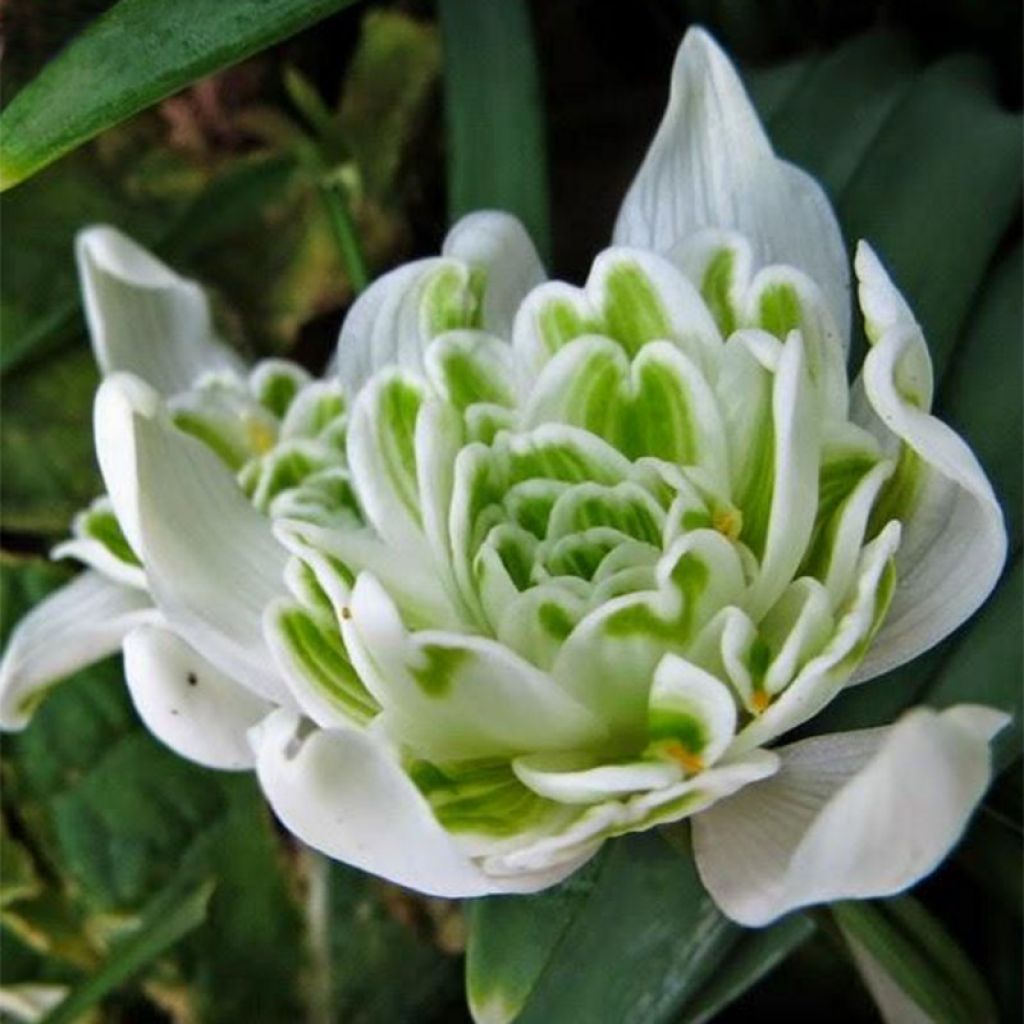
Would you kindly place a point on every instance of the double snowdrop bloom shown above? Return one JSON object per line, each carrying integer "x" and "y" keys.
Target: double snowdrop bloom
{"x": 536, "y": 565}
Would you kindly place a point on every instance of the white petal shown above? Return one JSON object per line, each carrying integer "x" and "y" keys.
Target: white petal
{"x": 579, "y": 840}
{"x": 381, "y": 457}
{"x": 579, "y": 779}
{"x": 821, "y": 678}
{"x": 120, "y": 399}
{"x": 395, "y": 319}
{"x": 211, "y": 559}
{"x": 343, "y": 793}
{"x": 455, "y": 696}
{"x": 83, "y": 621}
{"x": 143, "y": 318}
{"x": 848, "y": 816}
{"x": 691, "y": 707}
{"x": 711, "y": 166}
{"x": 497, "y": 244}
{"x": 187, "y": 703}
{"x": 954, "y": 538}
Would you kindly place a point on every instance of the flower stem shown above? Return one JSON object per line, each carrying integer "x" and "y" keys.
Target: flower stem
{"x": 318, "y": 914}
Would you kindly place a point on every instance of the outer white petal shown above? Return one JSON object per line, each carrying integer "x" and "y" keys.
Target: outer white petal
{"x": 848, "y": 816}
{"x": 345, "y": 794}
{"x": 82, "y": 622}
{"x": 711, "y": 166}
{"x": 498, "y": 244}
{"x": 187, "y": 703}
{"x": 211, "y": 559}
{"x": 954, "y": 542}
{"x": 143, "y": 318}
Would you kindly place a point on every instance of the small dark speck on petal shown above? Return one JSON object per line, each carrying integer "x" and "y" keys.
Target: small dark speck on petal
{"x": 193, "y": 679}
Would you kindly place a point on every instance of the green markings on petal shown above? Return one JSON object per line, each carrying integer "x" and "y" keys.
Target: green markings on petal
{"x": 555, "y": 620}
{"x": 625, "y": 507}
{"x": 689, "y": 577}
{"x": 438, "y": 668}
{"x": 559, "y": 322}
{"x": 312, "y": 647}
{"x": 484, "y": 798}
{"x": 779, "y": 310}
{"x": 837, "y": 480}
{"x": 285, "y": 468}
{"x": 275, "y": 383}
{"x": 452, "y": 299}
{"x": 633, "y": 312}
{"x": 716, "y": 288}
{"x": 469, "y": 368}
{"x": 756, "y": 500}
{"x": 99, "y": 523}
{"x": 901, "y": 492}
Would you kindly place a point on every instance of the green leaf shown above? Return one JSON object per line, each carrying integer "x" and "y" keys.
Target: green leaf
{"x": 936, "y": 190}
{"x": 493, "y": 114}
{"x": 841, "y": 101}
{"x": 129, "y": 58}
{"x": 909, "y": 947}
{"x": 628, "y": 940}
{"x": 47, "y": 468}
{"x": 171, "y": 916}
{"x": 985, "y": 666}
{"x": 385, "y": 952}
{"x": 982, "y": 394}
{"x": 758, "y": 952}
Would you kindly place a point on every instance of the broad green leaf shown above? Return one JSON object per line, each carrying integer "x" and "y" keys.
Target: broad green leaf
{"x": 914, "y": 951}
{"x": 628, "y": 941}
{"x": 172, "y": 915}
{"x": 935, "y": 191}
{"x": 982, "y": 394}
{"x": 494, "y": 114}
{"x": 985, "y": 666}
{"x": 130, "y": 57}
{"x": 385, "y": 952}
{"x": 757, "y": 952}
{"x": 840, "y": 103}
{"x": 991, "y": 854}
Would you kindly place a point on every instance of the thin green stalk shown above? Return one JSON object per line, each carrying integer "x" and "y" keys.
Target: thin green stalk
{"x": 170, "y": 916}
{"x": 318, "y": 879}
{"x": 349, "y": 247}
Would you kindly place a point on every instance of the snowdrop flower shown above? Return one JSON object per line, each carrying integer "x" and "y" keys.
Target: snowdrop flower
{"x": 536, "y": 565}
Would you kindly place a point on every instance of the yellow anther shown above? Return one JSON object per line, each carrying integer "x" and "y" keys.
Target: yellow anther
{"x": 728, "y": 522}
{"x": 261, "y": 437}
{"x": 759, "y": 701}
{"x": 691, "y": 763}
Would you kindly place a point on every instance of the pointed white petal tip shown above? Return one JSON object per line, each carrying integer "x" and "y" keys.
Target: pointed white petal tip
{"x": 853, "y": 815}
{"x": 711, "y": 165}
{"x": 104, "y": 248}
{"x": 142, "y": 316}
